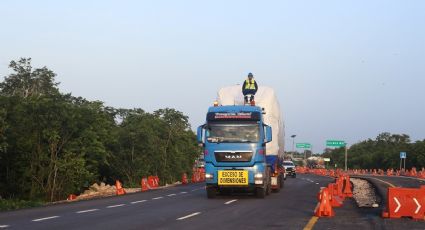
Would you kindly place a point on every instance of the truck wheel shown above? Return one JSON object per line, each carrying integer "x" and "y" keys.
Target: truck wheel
{"x": 211, "y": 193}
{"x": 269, "y": 183}
{"x": 269, "y": 187}
{"x": 260, "y": 192}
{"x": 294, "y": 175}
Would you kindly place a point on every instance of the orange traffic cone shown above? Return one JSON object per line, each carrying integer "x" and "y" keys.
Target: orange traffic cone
{"x": 184, "y": 178}
{"x": 324, "y": 207}
{"x": 348, "y": 192}
{"x": 118, "y": 186}
{"x": 144, "y": 184}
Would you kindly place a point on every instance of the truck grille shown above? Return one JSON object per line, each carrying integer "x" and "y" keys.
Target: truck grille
{"x": 227, "y": 156}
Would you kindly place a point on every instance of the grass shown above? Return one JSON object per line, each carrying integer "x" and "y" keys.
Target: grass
{"x": 6, "y": 205}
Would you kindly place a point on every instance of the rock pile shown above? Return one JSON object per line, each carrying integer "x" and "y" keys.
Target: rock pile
{"x": 97, "y": 190}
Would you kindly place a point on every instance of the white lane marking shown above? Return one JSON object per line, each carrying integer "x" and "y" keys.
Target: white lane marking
{"x": 183, "y": 192}
{"x": 45, "y": 218}
{"x": 172, "y": 194}
{"x": 398, "y": 205}
{"x": 115, "y": 206}
{"x": 193, "y": 190}
{"x": 231, "y": 201}
{"x": 157, "y": 198}
{"x": 418, "y": 205}
{"x": 317, "y": 183}
{"x": 139, "y": 201}
{"x": 90, "y": 210}
{"x": 188, "y": 216}
{"x": 4, "y": 226}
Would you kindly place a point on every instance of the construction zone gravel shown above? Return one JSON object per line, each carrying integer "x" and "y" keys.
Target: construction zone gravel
{"x": 364, "y": 194}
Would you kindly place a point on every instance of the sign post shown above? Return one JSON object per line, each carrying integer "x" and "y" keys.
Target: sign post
{"x": 304, "y": 146}
{"x": 338, "y": 143}
{"x": 403, "y": 155}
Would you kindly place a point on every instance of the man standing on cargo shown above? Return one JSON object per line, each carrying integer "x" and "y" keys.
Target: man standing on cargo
{"x": 249, "y": 87}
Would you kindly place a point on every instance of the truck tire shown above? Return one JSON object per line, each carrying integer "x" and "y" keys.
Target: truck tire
{"x": 269, "y": 183}
{"x": 211, "y": 192}
{"x": 260, "y": 192}
{"x": 294, "y": 175}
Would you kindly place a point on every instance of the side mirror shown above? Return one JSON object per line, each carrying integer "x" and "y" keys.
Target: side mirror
{"x": 268, "y": 134}
{"x": 199, "y": 136}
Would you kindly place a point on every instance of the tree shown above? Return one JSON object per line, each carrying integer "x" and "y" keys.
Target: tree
{"x": 28, "y": 83}
{"x": 54, "y": 144}
{"x": 381, "y": 153}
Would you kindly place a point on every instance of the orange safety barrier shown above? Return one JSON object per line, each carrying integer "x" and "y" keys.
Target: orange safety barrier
{"x": 198, "y": 175}
{"x": 413, "y": 172}
{"x": 152, "y": 183}
{"x": 422, "y": 174}
{"x": 71, "y": 197}
{"x": 120, "y": 189}
{"x": 324, "y": 207}
{"x": 336, "y": 201}
{"x": 405, "y": 202}
{"x": 144, "y": 184}
{"x": 202, "y": 174}
{"x": 195, "y": 177}
{"x": 156, "y": 178}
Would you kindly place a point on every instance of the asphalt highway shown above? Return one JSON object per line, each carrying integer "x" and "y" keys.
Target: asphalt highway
{"x": 186, "y": 207}
{"x": 179, "y": 207}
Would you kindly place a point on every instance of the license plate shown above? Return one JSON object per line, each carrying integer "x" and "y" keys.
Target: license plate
{"x": 232, "y": 177}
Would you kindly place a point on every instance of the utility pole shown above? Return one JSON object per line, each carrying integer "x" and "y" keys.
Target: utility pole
{"x": 346, "y": 150}
{"x": 293, "y": 145}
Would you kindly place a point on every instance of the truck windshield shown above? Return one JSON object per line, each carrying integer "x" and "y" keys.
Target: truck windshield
{"x": 233, "y": 132}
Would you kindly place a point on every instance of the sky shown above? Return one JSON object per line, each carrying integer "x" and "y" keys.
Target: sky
{"x": 345, "y": 70}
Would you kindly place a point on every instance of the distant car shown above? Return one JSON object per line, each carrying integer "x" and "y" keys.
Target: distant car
{"x": 290, "y": 168}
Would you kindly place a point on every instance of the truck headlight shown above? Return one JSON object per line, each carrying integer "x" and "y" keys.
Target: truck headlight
{"x": 209, "y": 176}
{"x": 258, "y": 176}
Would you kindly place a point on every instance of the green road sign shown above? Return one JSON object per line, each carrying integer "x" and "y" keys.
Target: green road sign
{"x": 303, "y": 145}
{"x": 335, "y": 143}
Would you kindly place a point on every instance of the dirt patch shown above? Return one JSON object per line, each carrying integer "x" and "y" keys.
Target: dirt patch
{"x": 364, "y": 194}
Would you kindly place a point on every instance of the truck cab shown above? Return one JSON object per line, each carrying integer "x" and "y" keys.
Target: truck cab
{"x": 234, "y": 142}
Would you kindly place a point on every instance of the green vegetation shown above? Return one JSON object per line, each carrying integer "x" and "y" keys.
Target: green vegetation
{"x": 6, "y": 205}
{"x": 381, "y": 153}
{"x": 53, "y": 144}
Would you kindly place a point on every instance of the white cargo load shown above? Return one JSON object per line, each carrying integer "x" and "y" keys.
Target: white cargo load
{"x": 265, "y": 98}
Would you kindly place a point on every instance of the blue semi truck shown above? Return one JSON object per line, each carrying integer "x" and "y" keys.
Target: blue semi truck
{"x": 243, "y": 144}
